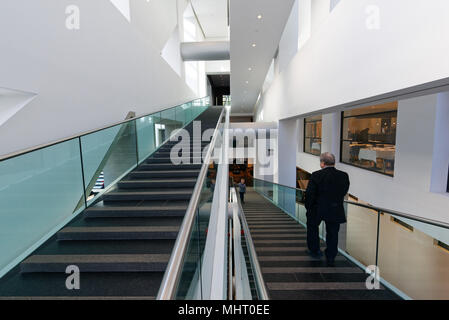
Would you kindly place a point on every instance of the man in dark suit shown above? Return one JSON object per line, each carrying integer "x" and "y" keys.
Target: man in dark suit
{"x": 324, "y": 202}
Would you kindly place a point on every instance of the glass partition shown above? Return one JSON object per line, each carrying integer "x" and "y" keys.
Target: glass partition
{"x": 358, "y": 236}
{"x": 414, "y": 257}
{"x": 43, "y": 189}
{"x": 192, "y": 282}
{"x": 146, "y": 135}
{"x": 112, "y": 151}
{"x": 38, "y": 191}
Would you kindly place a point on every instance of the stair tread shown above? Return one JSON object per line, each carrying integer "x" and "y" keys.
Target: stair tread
{"x": 158, "y": 180}
{"x": 119, "y": 229}
{"x": 135, "y": 192}
{"x": 106, "y": 258}
{"x": 169, "y": 171}
{"x": 123, "y": 208}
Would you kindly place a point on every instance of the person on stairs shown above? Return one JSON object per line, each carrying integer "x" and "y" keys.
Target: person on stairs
{"x": 325, "y": 195}
{"x": 242, "y": 190}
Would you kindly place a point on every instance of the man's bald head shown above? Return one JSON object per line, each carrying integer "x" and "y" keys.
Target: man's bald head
{"x": 327, "y": 159}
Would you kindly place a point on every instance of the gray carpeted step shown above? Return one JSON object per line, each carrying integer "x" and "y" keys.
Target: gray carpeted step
{"x": 135, "y": 212}
{"x": 168, "y": 166}
{"x": 135, "y": 195}
{"x": 301, "y": 286}
{"x": 197, "y": 160}
{"x": 164, "y": 174}
{"x": 96, "y": 263}
{"x": 117, "y": 233}
{"x": 167, "y": 154}
{"x": 157, "y": 183}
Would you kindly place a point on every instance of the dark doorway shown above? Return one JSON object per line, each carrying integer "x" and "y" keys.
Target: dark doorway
{"x": 239, "y": 171}
{"x": 221, "y": 86}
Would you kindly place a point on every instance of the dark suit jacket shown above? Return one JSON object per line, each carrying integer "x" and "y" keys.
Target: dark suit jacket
{"x": 325, "y": 195}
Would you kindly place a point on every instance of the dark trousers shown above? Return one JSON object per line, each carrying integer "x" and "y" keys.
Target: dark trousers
{"x": 313, "y": 238}
{"x": 242, "y": 197}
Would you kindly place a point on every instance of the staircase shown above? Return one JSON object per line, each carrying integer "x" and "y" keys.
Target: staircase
{"x": 289, "y": 272}
{"x": 121, "y": 244}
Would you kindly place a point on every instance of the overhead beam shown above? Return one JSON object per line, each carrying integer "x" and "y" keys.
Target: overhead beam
{"x": 205, "y": 51}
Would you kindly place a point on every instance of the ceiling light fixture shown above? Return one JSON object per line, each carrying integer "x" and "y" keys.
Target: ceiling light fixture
{"x": 250, "y": 69}
{"x": 254, "y": 45}
{"x": 259, "y": 17}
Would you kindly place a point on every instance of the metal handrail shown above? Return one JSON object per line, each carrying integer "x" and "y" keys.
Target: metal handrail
{"x": 379, "y": 209}
{"x": 173, "y": 271}
{"x": 252, "y": 253}
{"x": 46, "y": 145}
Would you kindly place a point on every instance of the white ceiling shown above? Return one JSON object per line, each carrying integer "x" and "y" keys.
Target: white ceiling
{"x": 213, "y": 16}
{"x": 266, "y": 33}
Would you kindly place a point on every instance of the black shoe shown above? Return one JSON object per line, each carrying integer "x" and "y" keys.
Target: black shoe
{"x": 330, "y": 263}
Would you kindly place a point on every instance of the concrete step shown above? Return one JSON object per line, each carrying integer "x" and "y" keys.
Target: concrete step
{"x": 96, "y": 263}
{"x": 117, "y": 233}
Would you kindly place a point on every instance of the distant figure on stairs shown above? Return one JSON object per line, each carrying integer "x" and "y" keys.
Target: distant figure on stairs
{"x": 242, "y": 190}
{"x": 324, "y": 202}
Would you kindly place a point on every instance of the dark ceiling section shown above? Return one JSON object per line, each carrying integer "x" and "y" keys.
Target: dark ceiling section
{"x": 221, "y": 86}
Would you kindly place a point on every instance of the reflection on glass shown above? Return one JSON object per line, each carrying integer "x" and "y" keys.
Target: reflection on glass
{"x": 38, "y": 191}
{"x": 414, "y": 257}
{"x": 312, "y": 135}
{"x": 369, "y": 137}
{"x": 112, "y": 151}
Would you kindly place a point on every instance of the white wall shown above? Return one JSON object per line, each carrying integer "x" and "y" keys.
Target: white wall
{"x": 288, "y": 46}
{"x": 287, "y": 142}
{"x": 85, "y": 78}
{"x": 347, "y": 61}
{"x": 320, "y": 12}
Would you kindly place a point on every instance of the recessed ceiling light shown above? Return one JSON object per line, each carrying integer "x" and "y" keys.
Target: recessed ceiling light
{"x": 259, "y": 16}
{"x": 254, "y": 45}
{"x": 250, "y": 69}
{"x": 247, "y": 82}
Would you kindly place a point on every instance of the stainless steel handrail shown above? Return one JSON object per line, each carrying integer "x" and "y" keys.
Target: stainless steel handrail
{"x": 76, "y": 136}
{"x": 253, "y": 255}
{"x": 173, "y": 272}
{"x": 378, "y": 209}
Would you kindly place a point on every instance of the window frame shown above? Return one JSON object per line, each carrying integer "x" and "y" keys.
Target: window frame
{"x": 305, "y": 137}
{"x": 342, "y": 141}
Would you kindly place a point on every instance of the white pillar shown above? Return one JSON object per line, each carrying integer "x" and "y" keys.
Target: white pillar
{"x": 287, "y": 148}
{"x": 440, "y": 159}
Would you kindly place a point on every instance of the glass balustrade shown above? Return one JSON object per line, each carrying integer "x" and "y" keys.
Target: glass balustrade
{"x": 193, "y": 282}
{"x": 41, "y": 190}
